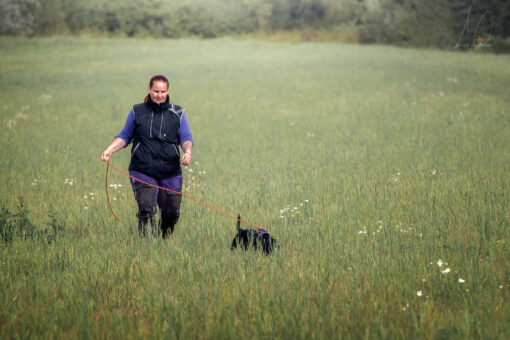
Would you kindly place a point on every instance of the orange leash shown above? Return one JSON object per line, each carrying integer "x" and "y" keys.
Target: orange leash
{"x": 177, "y": 192}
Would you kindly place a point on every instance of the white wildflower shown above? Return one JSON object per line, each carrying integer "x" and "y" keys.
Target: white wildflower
{"x": 462, "y": 280}
{"x": 45, "y": 98}
{"x": 419, "y": 293}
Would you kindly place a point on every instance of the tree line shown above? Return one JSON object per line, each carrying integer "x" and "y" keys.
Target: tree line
{"x": 431, "y": 23}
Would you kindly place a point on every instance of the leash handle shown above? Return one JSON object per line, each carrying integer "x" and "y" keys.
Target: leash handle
{"x": 170, "y": 190}
{"x": 106, "y": 188}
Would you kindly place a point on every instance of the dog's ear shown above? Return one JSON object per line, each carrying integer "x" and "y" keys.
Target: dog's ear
{"x": 238, "y": 225}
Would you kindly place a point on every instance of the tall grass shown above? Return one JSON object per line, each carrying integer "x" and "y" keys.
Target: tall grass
{"x": 368, "y": 164}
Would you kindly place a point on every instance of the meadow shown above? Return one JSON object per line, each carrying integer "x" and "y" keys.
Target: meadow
{"x": 382, "y": 172}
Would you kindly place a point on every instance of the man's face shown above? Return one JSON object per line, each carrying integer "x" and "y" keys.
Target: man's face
{"x": 158, "y": 91}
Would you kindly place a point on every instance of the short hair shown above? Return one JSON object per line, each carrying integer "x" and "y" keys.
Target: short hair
{"x": 158, "y": 77}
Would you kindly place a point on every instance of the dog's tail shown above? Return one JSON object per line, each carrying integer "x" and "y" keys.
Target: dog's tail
{"x": 238, "y": 225}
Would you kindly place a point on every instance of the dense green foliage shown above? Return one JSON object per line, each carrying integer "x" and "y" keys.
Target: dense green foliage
{"x": 437, "y": 23}
{"x": 369, "y": 164}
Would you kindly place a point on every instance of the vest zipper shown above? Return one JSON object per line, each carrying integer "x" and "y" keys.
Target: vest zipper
{"x": 161, "y": 125}
{"x": 150, "y": 130}
{"x": 136, "y": 147}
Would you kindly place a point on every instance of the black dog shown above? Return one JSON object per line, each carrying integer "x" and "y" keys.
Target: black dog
{"x": 257, "y": 238}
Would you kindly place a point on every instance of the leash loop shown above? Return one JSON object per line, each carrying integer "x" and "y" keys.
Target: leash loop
{"x": 106, "y": 188}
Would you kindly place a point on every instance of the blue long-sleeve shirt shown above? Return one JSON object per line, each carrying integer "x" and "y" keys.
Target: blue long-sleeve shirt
{"x": 127, "y": 132}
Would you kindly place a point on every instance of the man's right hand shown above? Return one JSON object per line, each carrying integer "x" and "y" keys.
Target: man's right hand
{"x": 117, "y": 144}
{"x": 105, "y": 156}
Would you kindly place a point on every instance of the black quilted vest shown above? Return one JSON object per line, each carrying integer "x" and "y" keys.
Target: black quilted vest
{"x": 155, "y": 149}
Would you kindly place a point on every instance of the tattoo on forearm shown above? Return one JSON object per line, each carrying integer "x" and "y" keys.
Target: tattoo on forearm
{"x": 117, "y": 145}
{"x": 187, "y": 146}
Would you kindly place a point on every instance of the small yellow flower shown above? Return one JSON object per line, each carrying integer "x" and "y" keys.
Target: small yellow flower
{"x": 419, "y": 293}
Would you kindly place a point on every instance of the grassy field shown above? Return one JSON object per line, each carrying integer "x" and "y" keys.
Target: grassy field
{"x": 382, "y": 172}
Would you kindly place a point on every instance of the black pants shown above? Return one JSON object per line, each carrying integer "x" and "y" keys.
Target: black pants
{"x": 148, "y": 199}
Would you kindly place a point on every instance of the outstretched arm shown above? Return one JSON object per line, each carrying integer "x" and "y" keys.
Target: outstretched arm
{"x": 117, "y": 144}
{"x": 186, "y": 147}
